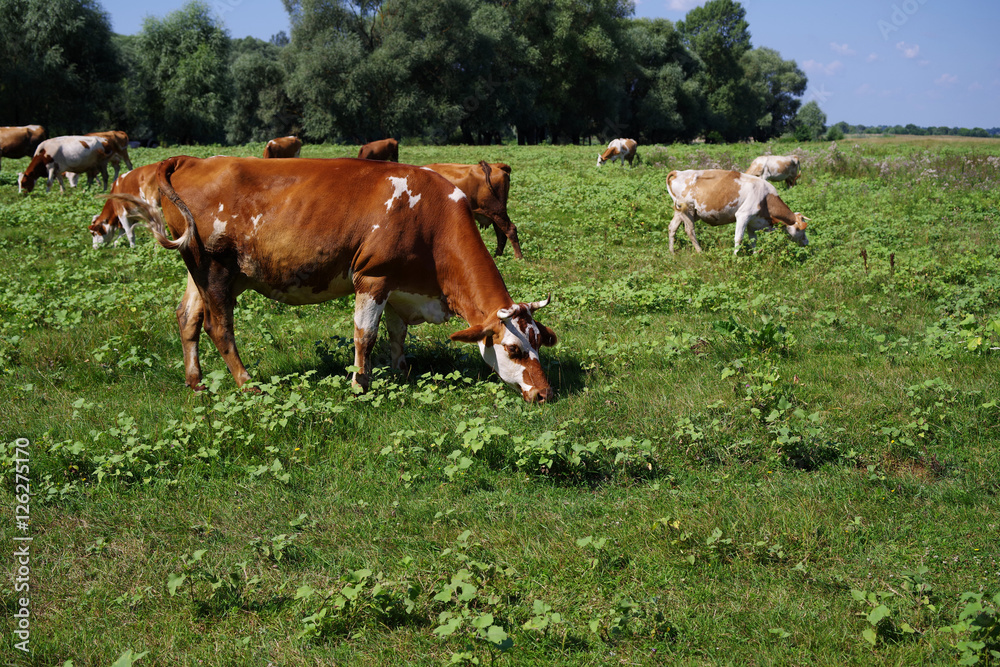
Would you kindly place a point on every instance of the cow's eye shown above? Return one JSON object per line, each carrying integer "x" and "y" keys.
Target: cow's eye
{"x": 514, "y": 352}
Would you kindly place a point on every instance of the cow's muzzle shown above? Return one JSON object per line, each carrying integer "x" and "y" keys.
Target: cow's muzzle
{"x": 536, "y": 395}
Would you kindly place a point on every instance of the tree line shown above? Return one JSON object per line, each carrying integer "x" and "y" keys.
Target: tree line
{"x": 443, "y": 71}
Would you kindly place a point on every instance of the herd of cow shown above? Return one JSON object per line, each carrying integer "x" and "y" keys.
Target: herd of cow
{"x": 402, "y": 238}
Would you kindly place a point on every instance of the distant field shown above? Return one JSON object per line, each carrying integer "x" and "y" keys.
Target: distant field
{"x": 791, "y": 456}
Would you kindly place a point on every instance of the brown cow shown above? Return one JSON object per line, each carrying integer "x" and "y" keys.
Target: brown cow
{"x": 487, "y": 187}
{"x": 618, "y": 149}
{"x": 283, "y": 147}
{"x": 776, "y": 168}
{"x": 54, "y": 157}
{"x": 113, "y": 220}
{"x": 720, "y": 197}
{"x": 401, "y": 238}
{"x": 385, "y": 149}
{"x": 20, "y": 141}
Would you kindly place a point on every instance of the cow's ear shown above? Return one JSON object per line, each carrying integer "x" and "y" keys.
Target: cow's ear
{"x": 473, "y": 334}
{"x": 548, "y": 336}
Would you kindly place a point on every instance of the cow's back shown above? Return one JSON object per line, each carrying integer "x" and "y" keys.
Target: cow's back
{"x": 303, "y": 227}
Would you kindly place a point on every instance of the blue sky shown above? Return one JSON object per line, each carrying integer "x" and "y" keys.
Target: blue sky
{"x": 927, "y": 62}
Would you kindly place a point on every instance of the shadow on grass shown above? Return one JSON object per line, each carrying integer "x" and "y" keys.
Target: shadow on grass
{"x": 336, "y": 354}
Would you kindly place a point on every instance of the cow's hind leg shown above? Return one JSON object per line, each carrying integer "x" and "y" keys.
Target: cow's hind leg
{"x": 190, "y": 315}
{"x": 368, "y": 307}
{"x": 396, "y": 328}
{"x": 679, "y": 219}
{"x": 220, "y": 300}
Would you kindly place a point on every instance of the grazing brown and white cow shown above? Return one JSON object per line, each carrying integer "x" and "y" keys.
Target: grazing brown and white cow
{"x": 117, "y": 142}
{"x": 114, "y": 218}
{"x": 487, "y": 186}
{"x": 776, "y": 168}
{"x": 618, "y": 149}
{"x": 301, "y": 231}
{"x": 720, "y": 197}
{"x": 20, "y": 140}
{"x": 384, "y": 149}
{"x": 283, "y": 147}
{"x": 54, "y": 157}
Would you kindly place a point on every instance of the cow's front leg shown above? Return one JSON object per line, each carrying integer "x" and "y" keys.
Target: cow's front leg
{"x": 396, "y": 328}
{"x": 367, "y": 313}
{"x": 190, "y": 315}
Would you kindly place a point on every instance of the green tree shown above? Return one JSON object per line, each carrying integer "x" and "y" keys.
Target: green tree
{"x": 809, "y": 123}
{"x": 778, "y": 84}
{"x": 59, "y": 65}
{"x": 665, "y": 101}
{"x": 719, "y": 35}
{"x": 183, "y": 63}
{"x": 260, "y": 107}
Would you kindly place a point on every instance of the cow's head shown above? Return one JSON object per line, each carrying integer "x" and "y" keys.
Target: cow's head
{"x": 797, "y": 232}
{"x": 36, "y": 169}
{"x": 509, "y": 343}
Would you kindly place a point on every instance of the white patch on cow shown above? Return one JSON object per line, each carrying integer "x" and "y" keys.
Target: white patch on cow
{"x": 419, "y": 308}
{"x": 218, "y": 229}
{"x": 367, "y": 312}
{"x": 401, "y": 186}
{"x": 221, "y": 207}
{"x": 375, "y": 226}
{"x": 496, "y": 356}
{"x": 457, "y": 195}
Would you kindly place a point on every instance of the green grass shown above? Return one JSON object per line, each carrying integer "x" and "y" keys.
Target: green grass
{"x": 737, "y": 444}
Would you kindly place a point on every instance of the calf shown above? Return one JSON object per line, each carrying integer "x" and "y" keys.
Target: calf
{"x": 401, "y": 238}
{"x": 384, "y": 149}
{"x": 618, "y": 149}
{"x": 720, "y": 197}
{"x": 56, "y": 156}
{"x": 114, "y": 218}
{"x": 487, "y": 187}
{"x": 776, "y": 168}
{"x": 283, "y": 147}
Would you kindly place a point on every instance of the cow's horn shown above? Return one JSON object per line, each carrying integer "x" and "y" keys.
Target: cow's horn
{"x": 506, "y": 313}
{"x": 539, "y": 304}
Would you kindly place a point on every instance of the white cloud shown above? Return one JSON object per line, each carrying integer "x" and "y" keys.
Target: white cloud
{"x": 909, "y": 50}
{"x": 814, "y": 66}
{"x": 872, "y": 57}
{"x": 946, "y": 79}
{"x": 842, "y": 49}
{"x": 975, "y": 87}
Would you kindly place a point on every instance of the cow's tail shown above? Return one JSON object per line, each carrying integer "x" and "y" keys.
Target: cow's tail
{"x": 153, "y": 216}
{"x": 678, "y": 205}
{"x": 488, "y": 172}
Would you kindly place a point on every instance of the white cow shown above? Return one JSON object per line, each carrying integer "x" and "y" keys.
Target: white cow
{"x": 618, "y": 149}
{"x": 776, "y": 168}
{"x": 55, "y": 156}
{"x": 720, "y": 197}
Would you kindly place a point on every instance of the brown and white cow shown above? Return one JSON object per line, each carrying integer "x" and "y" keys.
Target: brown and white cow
{"x": 54, "y": 157}
{"x": 384, "y": 149}
{"x": 776, "y": 168}
{"x": 283, "y": 147}
{"x": 401, "y": 238}
{"x": 117, "y": 142}
{"x": 487, "y": 186}
{"x": 618, "y": 149}
{"x": 115, "y": 218}
{"x": 20, "y": 140}
{"x": 720, "y": 197}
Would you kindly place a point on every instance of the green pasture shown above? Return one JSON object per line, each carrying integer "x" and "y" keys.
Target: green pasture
{"x": 786, "y": 457}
